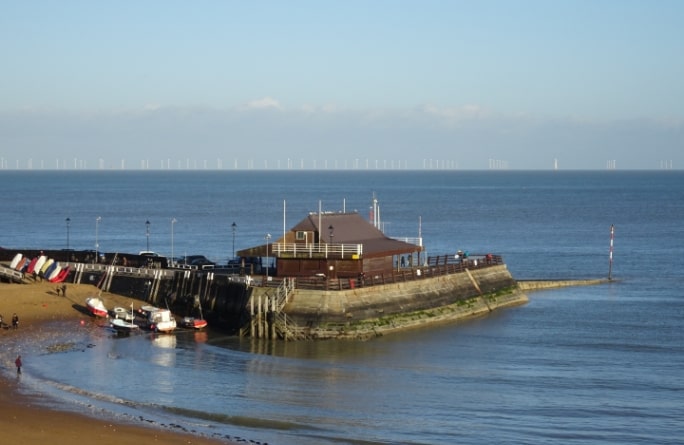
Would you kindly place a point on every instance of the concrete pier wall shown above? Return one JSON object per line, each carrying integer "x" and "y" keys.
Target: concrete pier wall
{"x": 365, "y": 312}
{"x": 532, "y": 285}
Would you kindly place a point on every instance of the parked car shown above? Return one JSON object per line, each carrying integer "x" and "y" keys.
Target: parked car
{"x": 200, "y": 261}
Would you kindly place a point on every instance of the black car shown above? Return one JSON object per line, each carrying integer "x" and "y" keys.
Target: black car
{"x": 200, "y": 261}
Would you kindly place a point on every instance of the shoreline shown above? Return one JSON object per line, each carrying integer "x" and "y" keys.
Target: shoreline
{"x": 23, "y": 419}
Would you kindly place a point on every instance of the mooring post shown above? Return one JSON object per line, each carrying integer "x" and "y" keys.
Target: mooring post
{"x": 259, "y": 326}
{"x": 273, "y": 314}
{"x": 251, "y": 318}
{"x": 610, "y": 253}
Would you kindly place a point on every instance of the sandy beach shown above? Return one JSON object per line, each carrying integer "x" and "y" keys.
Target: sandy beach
{"x": 24, "y": 421}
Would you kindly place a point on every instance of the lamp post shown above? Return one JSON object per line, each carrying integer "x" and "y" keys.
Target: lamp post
{"x": 331, "y": 230}
{"x": 147, "y": 234}
{"x": 173, "y": 221}
{"x": 268, "y": 237}
{"x": 68, "y": 222}
{"x": 97, "y": 245}
{"x": 234, "y": 227}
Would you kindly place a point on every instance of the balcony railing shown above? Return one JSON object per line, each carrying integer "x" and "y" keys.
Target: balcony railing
{"x": 316, "y": 250}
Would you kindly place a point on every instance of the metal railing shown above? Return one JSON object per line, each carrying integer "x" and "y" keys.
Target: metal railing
{"x": 432, "y": 267}
{"x": 317, "y": 250}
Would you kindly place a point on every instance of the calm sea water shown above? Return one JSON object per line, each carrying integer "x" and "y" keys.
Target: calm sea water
{"x": 589, "y": 365}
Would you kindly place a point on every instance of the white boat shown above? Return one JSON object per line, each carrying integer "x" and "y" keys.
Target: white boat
{"x": 146, "y": 310}
{"x": 120, "y": 313}
{"x": 96, "y": 307}
{"x": 161, "y": 320}
{"x": 123, "y": 326}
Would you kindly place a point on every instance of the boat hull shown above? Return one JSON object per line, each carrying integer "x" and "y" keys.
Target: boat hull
{"x": 96, "y": 307}
{"x": 194, "y": 323}
{"x": 123, "y": 326}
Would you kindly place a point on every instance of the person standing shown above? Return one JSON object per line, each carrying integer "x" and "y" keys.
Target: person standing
{"x": 18, "y": 363}
{"x": 15, "y": 321}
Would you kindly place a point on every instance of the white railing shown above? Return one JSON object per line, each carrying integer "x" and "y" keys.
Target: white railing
{"x": 317, "y": 249}
{"x": 416, "y": 241}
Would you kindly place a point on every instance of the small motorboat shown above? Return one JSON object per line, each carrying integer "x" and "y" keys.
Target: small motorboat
{"x": 123, "y": 326}
{"x": 96, "y": 307}
{"x": 194, "y": 323}
{"x": 119, "y": 313}
{"x": 146, "y": 311}
{"x": 161, "y": 320}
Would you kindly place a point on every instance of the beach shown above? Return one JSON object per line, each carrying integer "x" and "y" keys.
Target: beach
{"x": 22, "y": 419}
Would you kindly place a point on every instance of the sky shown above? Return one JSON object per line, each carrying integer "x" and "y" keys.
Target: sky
{"x": 372, "y": 84}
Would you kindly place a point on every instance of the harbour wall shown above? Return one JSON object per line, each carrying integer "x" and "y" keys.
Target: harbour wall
{"x": 532, "y": 285}
{"x": 372, "y": 311}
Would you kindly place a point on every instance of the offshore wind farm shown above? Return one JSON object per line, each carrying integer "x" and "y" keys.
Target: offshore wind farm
{"x": 285, "y": 164}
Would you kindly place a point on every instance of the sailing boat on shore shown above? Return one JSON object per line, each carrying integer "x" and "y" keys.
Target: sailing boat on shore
{"x": 95, "y": 305}
{"x": 123, "y": 325}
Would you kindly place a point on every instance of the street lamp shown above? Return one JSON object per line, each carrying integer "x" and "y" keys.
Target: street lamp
{"x": 68, "y": 221}
{"x": 147, "y": 234}
{"x": 268, "y": 237}
{"x": 173, "y": 221}
{"x": 234, "y": 227}
{"x": 97, "y": 245}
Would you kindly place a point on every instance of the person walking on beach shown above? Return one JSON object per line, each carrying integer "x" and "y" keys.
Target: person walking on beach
{"x": 15, "y": 321}
{"x": 18, "y": 363}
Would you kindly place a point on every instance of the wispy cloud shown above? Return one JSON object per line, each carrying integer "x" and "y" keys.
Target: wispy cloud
{"x": 265, "y": 103}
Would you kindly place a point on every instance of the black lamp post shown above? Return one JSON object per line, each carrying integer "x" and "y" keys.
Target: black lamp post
{"x": 97, "y": 244}
{"x": 147, "y": 234}
{"x": 268, "y": 238}
{"x": 234, "y": 227}
{"x": 68, "y": 222}
{"x": 173, "y": 260}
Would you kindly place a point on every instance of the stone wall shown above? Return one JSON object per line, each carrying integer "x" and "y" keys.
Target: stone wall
{"x": 403, "y": 303}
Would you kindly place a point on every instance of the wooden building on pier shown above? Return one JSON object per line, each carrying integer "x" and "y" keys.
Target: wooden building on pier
{"x": 333, "y": 245}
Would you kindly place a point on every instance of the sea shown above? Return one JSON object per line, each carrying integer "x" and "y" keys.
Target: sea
{"x": 601, "y": 364}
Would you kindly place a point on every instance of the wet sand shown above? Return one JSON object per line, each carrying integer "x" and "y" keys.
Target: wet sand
{"x": 22, "y": 420}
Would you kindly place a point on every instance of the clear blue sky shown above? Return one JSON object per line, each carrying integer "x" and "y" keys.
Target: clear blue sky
{"x": 255, "y": 84}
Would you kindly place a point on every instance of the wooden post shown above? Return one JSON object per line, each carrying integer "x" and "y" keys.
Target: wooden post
{"x": 251, "y": 318}
{"x": 273, "y": 325}
{"x": 260, "y": 331}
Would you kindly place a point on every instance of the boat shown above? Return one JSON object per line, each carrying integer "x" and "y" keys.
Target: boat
{"x": 96, "y": 307}
{"x": 161, "y": 320}
{"x": 23, "y": 264}
{"x": 119, "y": 313}
{"x": 53, "y": 272}
{"x": 48, "y": 264}
{"x": 63, "y": 274}
{"x": 123, "y": 326}
{"x": 39, "y": 264}
{"x": 17, "y": 258}
{"x": 32, "y": 265}
{"x": 194, "y": 323}
{"x": 124, "y": 323}
{"x": 146, "y": 310}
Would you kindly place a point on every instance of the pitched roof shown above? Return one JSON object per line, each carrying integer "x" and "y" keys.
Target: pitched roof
{"x": 347, "y": 228}
{"x": 351, "y": 228}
